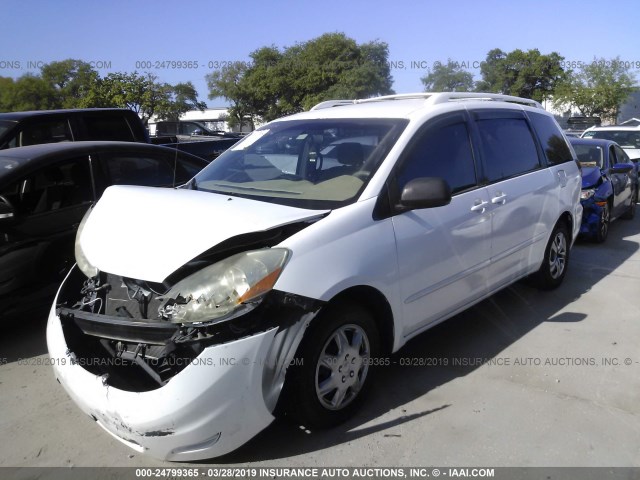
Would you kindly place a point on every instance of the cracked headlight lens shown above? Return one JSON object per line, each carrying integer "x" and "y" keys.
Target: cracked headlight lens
{"x": 83, "y": 264}
{"x": 587, "y": 194}
{"x": 232, "y": 286}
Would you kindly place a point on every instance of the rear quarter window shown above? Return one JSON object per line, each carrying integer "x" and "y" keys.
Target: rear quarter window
{"x": 108, "y": 127}
{"x": 553, "y": 143}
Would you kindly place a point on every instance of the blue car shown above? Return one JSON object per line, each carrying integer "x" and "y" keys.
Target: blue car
{"x": 609, "y": 185}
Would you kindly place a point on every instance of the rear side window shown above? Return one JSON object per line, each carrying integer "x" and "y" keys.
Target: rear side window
{"x": 108, "y": 127}
{"x": 553, "y": 143}
{"x": 49, "y": 131}
{"x": 444, "y": 152}
{"x": 145, "y": 170}
{"x": 55, "y": 187}
{"x": 507, "y": 148}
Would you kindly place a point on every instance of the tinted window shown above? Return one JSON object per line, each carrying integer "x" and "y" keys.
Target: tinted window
{"x": 166, "y": 128}
{"x": 108, "y": 127}
{"x": 507, "y": 148}
{"x": 191, "y": 129}
{"x": 35, "y": 133}
{"x": 443, "y": 152}
{"x": 553, "y": 143}
{"x": 612, "y": 157}
{"x": 65, "y": 184}
{"x": 142, "y": 170}
{"x": 621, "y": 155}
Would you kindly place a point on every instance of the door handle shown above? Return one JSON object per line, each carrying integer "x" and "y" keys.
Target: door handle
{"x": 500, "y": 198}
{"x": 479, "y": 206}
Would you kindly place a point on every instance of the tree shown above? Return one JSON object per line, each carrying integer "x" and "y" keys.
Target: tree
{"x": 524, "y": 74}
{"x": 228, "y": 83}
{"x": 29, "y": 92}
{"x": 6, "y": 94}
{"x": 448, "y": 78}
{"x": 182, "y": 98}
{"x": 277, "y": 83}
{"x": 597, "y": 89}
{"x": 146, "y": 96}
{"x": 74, "y": 82}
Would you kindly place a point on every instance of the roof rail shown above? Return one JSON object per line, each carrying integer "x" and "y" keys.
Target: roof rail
{"x": 333, "y": 103}
{"x": 435, "y": 98}
{"x": 496, "y": 97}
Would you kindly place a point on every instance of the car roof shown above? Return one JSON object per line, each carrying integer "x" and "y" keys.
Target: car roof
{"x": 38, "y": 113}
{"x": 600, "y": 142}
{"x": 27, "y": 158}
{"x": 408, "y": 105}
{"x": 625, "y": 128}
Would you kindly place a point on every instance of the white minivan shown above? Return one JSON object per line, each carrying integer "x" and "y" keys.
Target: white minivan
{"x": 278, "y": 278}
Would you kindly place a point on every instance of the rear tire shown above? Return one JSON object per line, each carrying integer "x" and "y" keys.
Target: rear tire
{"x": 556, "y": 259}
{"x": 334, "y": 375}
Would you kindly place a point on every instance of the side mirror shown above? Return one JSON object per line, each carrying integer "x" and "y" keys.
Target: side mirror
{"x": 6, "y": 212}
{"x": 197, "y": 132}
{"x": 622, "y": 168}
{"x": 426, "y": 192}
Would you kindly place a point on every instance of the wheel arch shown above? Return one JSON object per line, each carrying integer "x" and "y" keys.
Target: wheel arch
{"x": 377, "y": 305}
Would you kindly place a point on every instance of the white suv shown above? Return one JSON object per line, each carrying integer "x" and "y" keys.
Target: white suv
{"x": 279, "y": 277}
{"x": 627, "y": 137}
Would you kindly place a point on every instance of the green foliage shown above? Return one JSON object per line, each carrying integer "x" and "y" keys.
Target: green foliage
{"x": 277, "y": 83}
{"x": 449, "y": 77}
{"x": 597, "y": 89}
{"x": 73, "y": 81}
{"x": 74, "y": 84}
{"x": 29, "y": 92}
{"x": 524, "y": 74}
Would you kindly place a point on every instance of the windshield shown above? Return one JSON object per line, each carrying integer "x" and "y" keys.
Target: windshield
{"x": 624, "y": 138}
{"x": 316, "y": 164}
{"x": 589, "y": 155}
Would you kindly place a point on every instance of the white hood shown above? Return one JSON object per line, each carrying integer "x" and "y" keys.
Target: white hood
{"x": 147, "y": 233}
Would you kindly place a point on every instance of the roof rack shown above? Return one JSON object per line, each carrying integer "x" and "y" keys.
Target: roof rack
{"x": 333, "y": 103}
{"x": 443, "y": 97}
{"x": 436, "y": 98}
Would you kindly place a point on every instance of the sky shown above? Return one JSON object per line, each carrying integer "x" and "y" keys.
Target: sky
{"x": 160, "y": 36}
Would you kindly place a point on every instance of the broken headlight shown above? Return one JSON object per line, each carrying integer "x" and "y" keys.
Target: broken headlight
{"x": 83, "y": 264}
{"x": 587, "y": 193}
{"x": 225, "y": 289}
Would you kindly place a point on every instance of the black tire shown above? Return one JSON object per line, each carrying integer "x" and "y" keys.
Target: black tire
{"x": 351, "y": 372}
{"x": 603, "y": 224}
{"x": 556, "y": 259}
{"x": 631, "y": 212}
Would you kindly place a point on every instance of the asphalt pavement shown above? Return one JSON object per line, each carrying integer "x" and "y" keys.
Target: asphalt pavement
{"x": 526, "y": 378}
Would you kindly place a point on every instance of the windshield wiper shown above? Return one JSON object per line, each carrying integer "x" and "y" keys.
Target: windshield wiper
{"x": 256, "y": 189}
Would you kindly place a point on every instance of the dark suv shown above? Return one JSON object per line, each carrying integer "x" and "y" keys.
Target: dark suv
{"x": 19, "y": 129}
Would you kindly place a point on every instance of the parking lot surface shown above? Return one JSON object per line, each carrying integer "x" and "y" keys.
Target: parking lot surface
{"x": 526, "y": 378}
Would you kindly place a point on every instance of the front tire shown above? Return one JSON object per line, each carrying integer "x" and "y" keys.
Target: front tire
{"x": 556, "y": 259}
{"x": 603, "y": 224}
{"x": 332, "y": 379}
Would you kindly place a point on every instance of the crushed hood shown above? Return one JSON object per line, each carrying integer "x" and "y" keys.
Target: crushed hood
{"x": 147, "y": 233}
{"x": 590, "y": 176}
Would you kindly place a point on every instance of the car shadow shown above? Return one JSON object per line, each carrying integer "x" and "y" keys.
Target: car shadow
{"x": 470, "y": 338}
{"x": 24, "y": 335}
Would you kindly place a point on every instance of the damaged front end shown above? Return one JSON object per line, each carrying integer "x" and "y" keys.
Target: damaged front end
{"x": 209, "y": 342}
{"x": 129, "y": 333}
